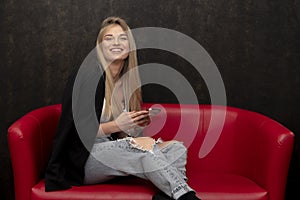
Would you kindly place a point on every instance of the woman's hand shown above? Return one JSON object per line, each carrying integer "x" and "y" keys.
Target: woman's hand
{"x": 130, "y": 123}
{"x": 129, "y": 120}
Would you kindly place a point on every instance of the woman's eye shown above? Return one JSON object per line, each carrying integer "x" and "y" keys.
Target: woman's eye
{"x": 123, "y": 38}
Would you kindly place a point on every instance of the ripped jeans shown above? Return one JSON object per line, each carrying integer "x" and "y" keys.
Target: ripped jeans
{"x": 164, "y": 167}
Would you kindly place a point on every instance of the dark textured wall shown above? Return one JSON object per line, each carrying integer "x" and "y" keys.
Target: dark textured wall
{"x": 255, "y": 44}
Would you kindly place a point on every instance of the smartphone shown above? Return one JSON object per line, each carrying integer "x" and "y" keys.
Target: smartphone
{"x": 154, "y": 111}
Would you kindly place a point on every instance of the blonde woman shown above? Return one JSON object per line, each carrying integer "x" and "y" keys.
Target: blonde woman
{"x": 118, "y": 148}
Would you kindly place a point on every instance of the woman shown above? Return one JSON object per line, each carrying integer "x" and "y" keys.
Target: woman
{"x": 118, "y": 108}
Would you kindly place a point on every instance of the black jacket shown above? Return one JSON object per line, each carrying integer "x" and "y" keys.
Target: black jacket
{"x": 78, "y": 125}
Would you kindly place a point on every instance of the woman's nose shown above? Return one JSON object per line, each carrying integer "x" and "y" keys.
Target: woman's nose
{"x": 116, "y": 41}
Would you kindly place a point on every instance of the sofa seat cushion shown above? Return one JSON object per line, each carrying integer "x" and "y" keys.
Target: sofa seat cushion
{"x": 209, "y": 186}
{"x": 221, "y": 186}
{"x": 120, "y": 189}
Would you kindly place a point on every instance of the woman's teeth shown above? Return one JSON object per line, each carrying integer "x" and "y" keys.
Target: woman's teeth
{"x": 116, "y": 50}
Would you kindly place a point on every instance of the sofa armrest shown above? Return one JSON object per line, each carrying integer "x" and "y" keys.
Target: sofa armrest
{"x": 263, "y": 150}
{"x": 30, "y": 142}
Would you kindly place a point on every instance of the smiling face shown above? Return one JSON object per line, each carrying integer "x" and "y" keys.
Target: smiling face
{"x": 115, "y": 44}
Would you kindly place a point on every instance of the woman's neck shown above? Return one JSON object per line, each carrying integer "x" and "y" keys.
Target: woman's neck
{"x": 115, "y": 68}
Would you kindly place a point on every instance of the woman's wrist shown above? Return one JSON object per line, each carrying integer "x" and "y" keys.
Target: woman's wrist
{"x": 108, "y": 128}
{"x": 114, "y": 127}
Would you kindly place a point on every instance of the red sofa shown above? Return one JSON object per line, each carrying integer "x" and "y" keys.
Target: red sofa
{"x": 232, "y": 154}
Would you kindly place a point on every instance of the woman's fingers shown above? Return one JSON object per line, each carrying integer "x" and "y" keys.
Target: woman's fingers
{"x": 135, "y": 114}
{"x": 139, "y": 115}
{"x": 144, "y": 122}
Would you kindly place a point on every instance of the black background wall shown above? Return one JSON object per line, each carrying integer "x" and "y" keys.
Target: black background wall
{"x": 255, "y": 44}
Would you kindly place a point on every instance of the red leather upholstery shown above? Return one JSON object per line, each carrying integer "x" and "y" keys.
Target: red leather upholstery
{"x": 249, "y": 158}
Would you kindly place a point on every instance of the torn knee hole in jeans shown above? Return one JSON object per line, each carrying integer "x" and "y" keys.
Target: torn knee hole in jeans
{"x": 144, "y": 144}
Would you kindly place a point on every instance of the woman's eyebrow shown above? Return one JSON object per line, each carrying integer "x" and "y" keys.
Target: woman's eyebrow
{"x": 108, "y": 35}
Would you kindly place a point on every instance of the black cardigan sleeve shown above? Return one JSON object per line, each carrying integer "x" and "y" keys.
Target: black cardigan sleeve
{"x": 81, "y": 110}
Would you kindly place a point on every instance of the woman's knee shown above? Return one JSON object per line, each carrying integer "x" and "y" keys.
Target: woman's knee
{"x": 179, "y": 147}
{"x": 176, "y": 143}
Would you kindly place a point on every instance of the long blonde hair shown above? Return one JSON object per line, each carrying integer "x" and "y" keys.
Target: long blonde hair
{"x": 131, "y": 80}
